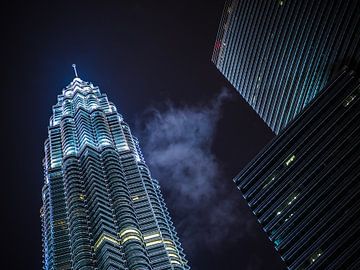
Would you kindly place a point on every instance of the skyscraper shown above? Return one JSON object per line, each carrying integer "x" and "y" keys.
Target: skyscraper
{"x": 304, "y": 186}
{"x": 101, "y": 207}
{"x": 279, "y": 53}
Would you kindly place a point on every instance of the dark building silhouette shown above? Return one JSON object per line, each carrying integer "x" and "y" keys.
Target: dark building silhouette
{"x": 279, "y": 53}
{"x": 304, "y": 187}
{"x": 101, "y": 207}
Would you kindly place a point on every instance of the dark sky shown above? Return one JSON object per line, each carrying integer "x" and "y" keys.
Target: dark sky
{"x": 143, "y": 54}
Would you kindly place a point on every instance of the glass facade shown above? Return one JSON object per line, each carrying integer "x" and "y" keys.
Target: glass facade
{"x": 304, "y": 186}
{"x": 101, "y": 207}
{"x": 279, "y": 54}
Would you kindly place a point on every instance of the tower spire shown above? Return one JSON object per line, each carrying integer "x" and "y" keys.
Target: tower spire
{"x": 75, "y": 71}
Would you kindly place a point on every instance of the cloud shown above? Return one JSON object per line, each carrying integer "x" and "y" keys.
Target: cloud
{"x": 177, "y": 143}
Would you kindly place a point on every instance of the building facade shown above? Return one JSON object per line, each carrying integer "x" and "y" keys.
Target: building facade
{"x": 101, "y": 207}
{"x": 279, "y": 53}
{"x": 304, "y": 187}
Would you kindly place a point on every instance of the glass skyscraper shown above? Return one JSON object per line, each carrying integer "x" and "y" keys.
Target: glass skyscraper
{"x": 279, "y": 53}
{"x": 101, "y": 207}
{"x": 304, "y": 186}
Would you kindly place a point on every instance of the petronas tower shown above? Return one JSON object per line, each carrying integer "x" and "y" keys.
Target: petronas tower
{"x": 101, "y": 207}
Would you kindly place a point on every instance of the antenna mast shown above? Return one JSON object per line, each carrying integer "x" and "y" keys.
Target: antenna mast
{"x": 75, "y": 71}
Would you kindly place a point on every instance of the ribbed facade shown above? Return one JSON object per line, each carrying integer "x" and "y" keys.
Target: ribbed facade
{"x": 101, "y": 207}
{"x": 279, "y": 53}
{"x": 304, "y": 187}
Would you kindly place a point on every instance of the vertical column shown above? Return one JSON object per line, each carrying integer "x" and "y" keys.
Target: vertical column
{"x": 103, "y": 227}
{"x": 129, "y": 232}
{"x": 77, "y": 215}
{"x": 101, "y": 128}
{"x": 68, "y": 136}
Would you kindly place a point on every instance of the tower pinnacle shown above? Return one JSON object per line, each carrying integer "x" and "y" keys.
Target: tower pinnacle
{"x": 74, "y": 67}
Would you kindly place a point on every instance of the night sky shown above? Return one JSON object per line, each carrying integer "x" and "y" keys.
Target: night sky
{"x": 152, "y": 59}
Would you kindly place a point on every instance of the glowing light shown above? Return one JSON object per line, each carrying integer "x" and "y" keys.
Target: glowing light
{"x": 175, "y": 262}
{"x": 130, "y": 237}
{"x": 129, "y": 234}
{"x": 128, "y": 231}
{"x": 168, "y": 242}
{"x": 60, "y": 223}
{"x": 349, "y": 100}
{"x": 315, "y": 256}
{"x": 123, "y": 147}
{"x": 154, "y": 243}
{"x": 293, "y": 199}
{"x": 105, "y": 237}
{"x": 290, "y": 160}
{"x": 269, "y": 181}
{"x": 289, "y": 217}
{"x": 151, "y": 236}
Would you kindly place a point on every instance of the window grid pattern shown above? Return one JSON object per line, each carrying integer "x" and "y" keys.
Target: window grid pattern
{"x": 304, "y": 186}
{"x": 100, "y": 202}
{"x": 279, "y": 54}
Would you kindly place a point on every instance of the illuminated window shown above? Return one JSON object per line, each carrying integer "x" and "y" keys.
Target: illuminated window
{"x": 128, "y": 231}
{"x": 130, "y": 234}
{"x": 150, "y": 236}
{"x": 173, "y": 255}
{"x": 315, "y": 256}
{"x": 175, "y": 262}
{"x": 168, "y": 242}
{"x": 288, "y": 217}
{"x": 156, "y": 242}
{"x": 290, "y": 160}
{"x": 103, "y": 238}
{"x": 277, "y": 242}
{"x": 60, "y": 223}
{"x": 269, "y": 180}
{"x": 131, "y": 237}
{"x": 312, "y": 259}
{"x": 287, "y": 203}
{"x": 349, "y": 100}
{"x": 292, "y": 199}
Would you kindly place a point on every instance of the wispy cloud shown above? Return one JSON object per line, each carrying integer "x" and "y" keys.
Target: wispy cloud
{"x": 177, "y": 143}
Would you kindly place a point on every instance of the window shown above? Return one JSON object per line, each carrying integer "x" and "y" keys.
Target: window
{"x": 290, "y": 160}
{"x": 269, "y": 180}
{"x": 347, "y": 101}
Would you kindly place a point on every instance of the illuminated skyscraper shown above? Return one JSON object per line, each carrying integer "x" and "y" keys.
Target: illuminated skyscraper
{"x": 279, "y": 53}
{"x": 101, "y": 207}
{"x": 304, "y": 186}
